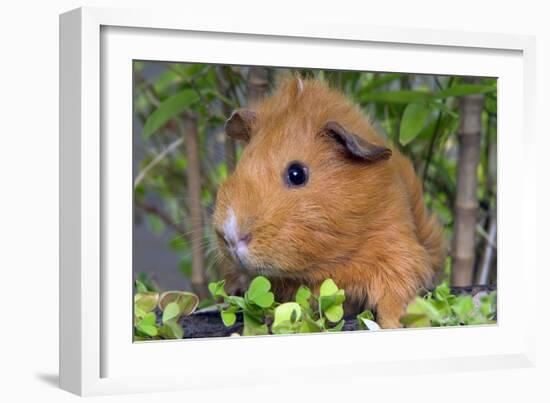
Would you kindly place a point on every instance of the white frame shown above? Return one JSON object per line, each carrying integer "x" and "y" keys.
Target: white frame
{"x": 83, "y": 156}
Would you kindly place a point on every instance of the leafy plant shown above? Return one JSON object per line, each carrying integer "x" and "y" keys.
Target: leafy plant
{"x": 308, "y": 313}
{"x": 171, "y": 305}
{"x": 255, "y": 306}
{"x": 442, "y": 308}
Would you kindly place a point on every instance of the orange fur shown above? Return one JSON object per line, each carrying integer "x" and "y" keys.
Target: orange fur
{"x": 362, "y": 224}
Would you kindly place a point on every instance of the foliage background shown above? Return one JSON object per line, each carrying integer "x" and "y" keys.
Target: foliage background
{"x": 180, "y": 109}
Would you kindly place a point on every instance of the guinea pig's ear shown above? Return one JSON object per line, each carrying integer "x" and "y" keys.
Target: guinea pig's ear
{"x": 355, "y": 146}
{"x": 239, "y": 124}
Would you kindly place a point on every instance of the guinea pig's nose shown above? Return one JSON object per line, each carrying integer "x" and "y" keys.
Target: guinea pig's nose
{"x": 245, "y": 240}
{"x": 234, "y": 242}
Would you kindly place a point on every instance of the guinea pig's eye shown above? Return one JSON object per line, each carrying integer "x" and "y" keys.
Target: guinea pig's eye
{"x": 296, "y": 174}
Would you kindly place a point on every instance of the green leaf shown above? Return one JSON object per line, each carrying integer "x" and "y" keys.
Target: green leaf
{"x": 310, "y": 326}
{"x": 265, "y": 300}
{"x": 325, "y": 302}
{"x": 168, "y": 109}
{"x": 463, "y": 306}
{"x": 140, "y": 287}
{"x": 252, "y": 326}
{"x": 339, "y": 326}
{"x": 138, "y": 66}
{"x": 444, "y": 108}
{"x": 228, "y": 318}
{"x": 155, "y": 224}
{"x": 224, "y": 99}
{"x": 178, "y": 243}
{"x": 149, "y": 319}
{"x": 423, "y": 306}
{"x": 259, "y": 294}
{"x": 138, "y": 313}
{"x": 401, "y": 97}
{"x": 412, "y": 122}
{"x": 328, "y": 287}
{"x": 171, "y": 312}
{"x": 285, "y": 312}
{"x": 185, "y": 265}
{"x": 259, "y": 286}
{"x": 217, "y": 289}
{"x": 335, "y": 313}
{"x": 460, "y": 90}
{"x": 237, "y": 301}
{"x": 285, "y": 328}
{"x": 491, "y": 104}
{"x": 442, "y": 292}
{"x": 302, "y": 296}
{"x": 149, "y": 330}
{"x": 415, "y": 320}
{"x": 380, "y": 81}
{"x": 171, "y": 330}
{"x": 165, "y": 80}
{"x": 488, "y": 305}
{"x": 148, "y": 325}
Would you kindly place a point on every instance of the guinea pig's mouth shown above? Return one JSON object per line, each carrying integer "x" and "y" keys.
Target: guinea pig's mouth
{"x": 241, "y": 263}
{"x": 246, "y": 266}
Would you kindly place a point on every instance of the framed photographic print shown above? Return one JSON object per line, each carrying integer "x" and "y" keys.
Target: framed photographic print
{"x": 281, "y": 197}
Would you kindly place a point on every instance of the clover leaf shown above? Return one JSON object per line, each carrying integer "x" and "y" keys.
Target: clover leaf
{"x": 259, "y": 294}
{"x": 302, "y": 297}
{"x": 147, "y": 324}
{"x": 328, "y": 287}
{"x": 334, "y": 313}
{"x": 285, "y": 316}
{"x": 330, "y": 301}
{"x": 228, "y": 317}
{"x": 171, "y": 312}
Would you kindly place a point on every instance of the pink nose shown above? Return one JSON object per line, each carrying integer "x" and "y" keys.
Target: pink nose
{"x": 245, "y": 240}
{"x": 234, "y": 243}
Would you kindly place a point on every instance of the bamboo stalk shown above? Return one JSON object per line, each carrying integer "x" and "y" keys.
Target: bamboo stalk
{"x": 257, "y": 85}
{"x": 466, "y": 203}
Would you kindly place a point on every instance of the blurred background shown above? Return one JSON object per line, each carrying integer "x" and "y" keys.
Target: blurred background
{"x": 447, "y": 125}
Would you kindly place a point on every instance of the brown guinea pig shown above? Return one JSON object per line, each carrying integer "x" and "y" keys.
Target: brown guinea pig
{"x": 318, "y": 194}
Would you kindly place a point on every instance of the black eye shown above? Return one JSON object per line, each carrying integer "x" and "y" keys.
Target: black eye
{"x": 296, "y": 174}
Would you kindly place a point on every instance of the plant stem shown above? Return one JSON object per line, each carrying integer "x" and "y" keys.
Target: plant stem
{"x": 466, "y": 203}
{"x": 191, "y": 136}
{"x": 156, "y": 160}
{"x": 149, "y": 208}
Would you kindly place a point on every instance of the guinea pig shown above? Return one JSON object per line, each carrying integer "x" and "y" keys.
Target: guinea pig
{"x": 318, "y": 194}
